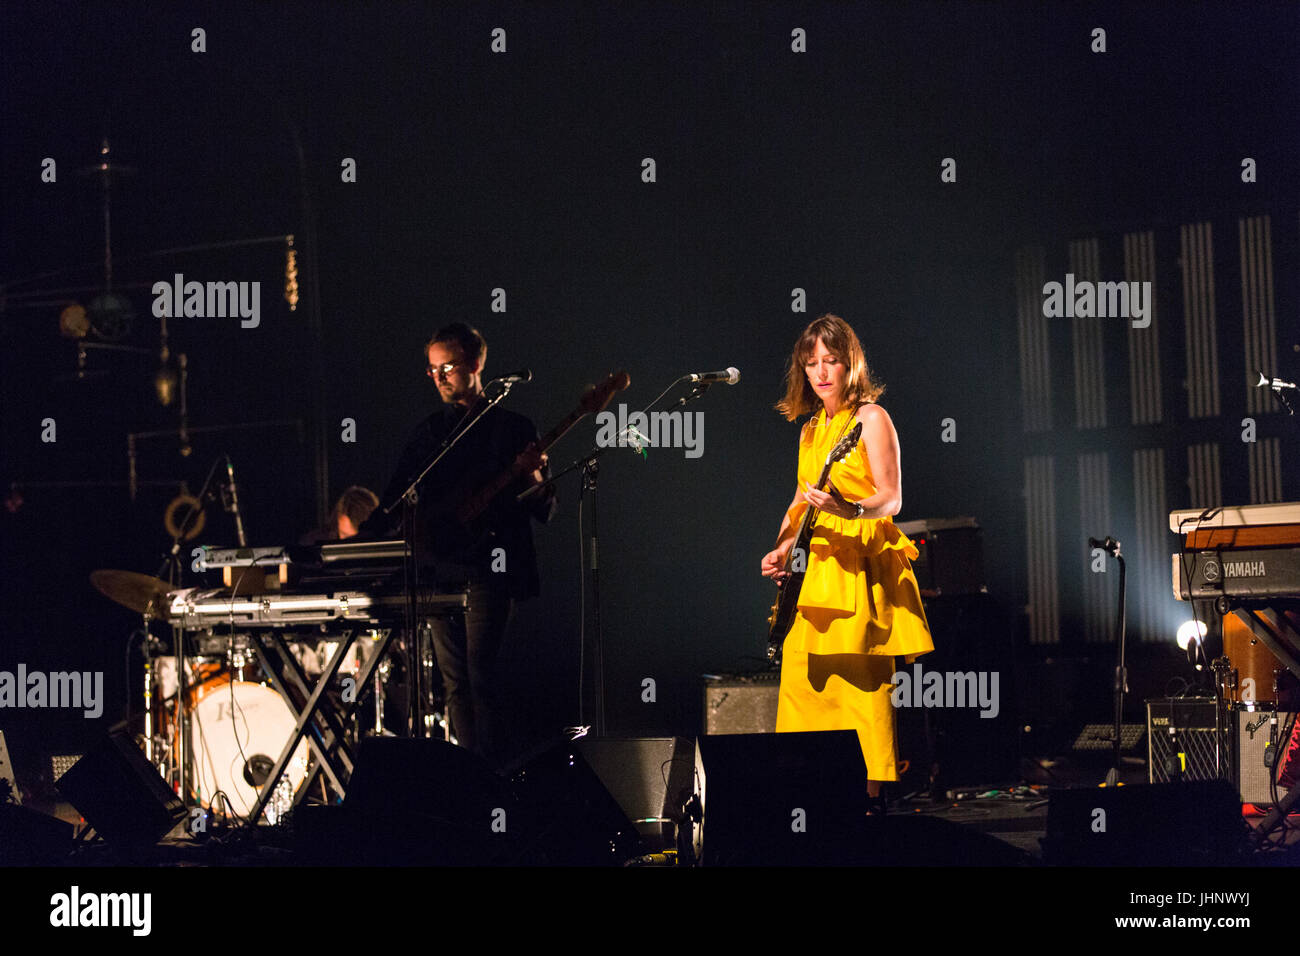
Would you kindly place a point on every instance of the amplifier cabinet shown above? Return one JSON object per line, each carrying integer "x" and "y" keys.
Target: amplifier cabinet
{"x": 1254, "y": 732}
{"x": 1187, "y": 725}
{"x": 741, "y": 704}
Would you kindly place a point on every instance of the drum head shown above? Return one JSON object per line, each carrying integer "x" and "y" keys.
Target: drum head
{"x": 239, "y": 730}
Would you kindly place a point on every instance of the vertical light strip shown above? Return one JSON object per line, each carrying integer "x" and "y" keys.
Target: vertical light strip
{"x": 1259, "y": 321}
{"x": 1197, "y": 243}
{"x": 1040, "y": 547}
{"x": 1086, "y": 334}
{"x": 1035, "y": 357}
{"x": 1203, "y": 476}
{"x": 1152, "y": 593}
{"x": 1094, "y": 519}
{"x": 1144, "y": 344}
{"x": 1264, "y": 462}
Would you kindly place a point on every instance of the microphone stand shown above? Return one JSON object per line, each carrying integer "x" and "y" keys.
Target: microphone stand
{"x": 1112, "y": 547}
{"x": 175, "y": 572}
{"x": 590, "y": 468}
{"x": 589, "y": 465}
{"x": 416, "y": 717}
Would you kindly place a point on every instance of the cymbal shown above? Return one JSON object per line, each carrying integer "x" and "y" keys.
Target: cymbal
{"x": 129, "y": 589}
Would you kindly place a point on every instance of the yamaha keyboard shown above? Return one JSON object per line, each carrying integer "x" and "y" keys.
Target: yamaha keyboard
{"x": 208, "y": 607}
{"x": 346, "y": 552}
{"x": 1251, "y": 552}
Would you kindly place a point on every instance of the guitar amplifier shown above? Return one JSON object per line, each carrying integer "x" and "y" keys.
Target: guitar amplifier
{"x": 1249, "y": 738}
{"x": 741, "y": 703}
{"x": 1185, "y": 725}
{"x": 1259, "y": 740}
{"x": 951, "y": 559}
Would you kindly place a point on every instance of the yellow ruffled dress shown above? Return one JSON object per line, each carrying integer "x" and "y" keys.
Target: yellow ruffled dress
{"x": 859, "y": 608}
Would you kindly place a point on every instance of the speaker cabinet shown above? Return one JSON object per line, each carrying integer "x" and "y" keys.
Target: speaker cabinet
{"x": 650, "y": 777}
{"x": 120, "y": 793}
{"x": 741, "y": 704}
{"x": 964, "y": 746}
{"x": 1186, "y": 726}
{"x": 1260, "y": 748}
{"x": 1161, "y": 824}
{"x": 1246, "y": 753}
{"x": 415, "y": 802}
{"x": 569, "y": 817}
{"x": 784, "y": 799}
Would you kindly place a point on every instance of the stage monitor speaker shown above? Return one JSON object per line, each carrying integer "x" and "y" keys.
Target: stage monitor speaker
{"x": 1195, "y": 823}
{"x": 922, "y": 839}
{"x": 784, "y": 799}
{"x": 398, "y": 774}
{"x": 741, "y": 703}
{"x": 650, "y": 777}
{"x": 569, "y": 817}
{"x": 120, "y": 793}
{"x": 8, "y": 779}
{"x": 415, "y": 802}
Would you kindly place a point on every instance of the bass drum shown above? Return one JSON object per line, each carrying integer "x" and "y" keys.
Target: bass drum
{"x": 1262, "y": 680}
{"x": 238, "y": 730}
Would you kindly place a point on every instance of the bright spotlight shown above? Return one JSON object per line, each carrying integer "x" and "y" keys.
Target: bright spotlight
{"x": 1190, "y": 630}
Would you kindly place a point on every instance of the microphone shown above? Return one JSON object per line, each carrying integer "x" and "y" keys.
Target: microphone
{"x": 729, "y": 375}
{"x": 234, "y": 504}
{"x": 1109, "y": 545}
{"x": 1274, "y": 383}
{"x": 514, "y": 378}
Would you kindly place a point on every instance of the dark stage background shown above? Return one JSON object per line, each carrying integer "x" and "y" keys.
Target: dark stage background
{"x": 522, "y": 170}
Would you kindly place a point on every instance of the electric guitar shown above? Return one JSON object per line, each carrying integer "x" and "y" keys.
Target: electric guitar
{"x": 461, "y": 522}
{"x": 787, "y": 598}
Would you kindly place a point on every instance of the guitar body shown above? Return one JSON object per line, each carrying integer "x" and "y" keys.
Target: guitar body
{"x": 783, "y": 612}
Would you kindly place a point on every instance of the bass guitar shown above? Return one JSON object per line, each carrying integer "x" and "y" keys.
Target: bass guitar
{"x": 593, "y": 400}
{"x": 796, "y": 562}
{"x": 461, "y": 522}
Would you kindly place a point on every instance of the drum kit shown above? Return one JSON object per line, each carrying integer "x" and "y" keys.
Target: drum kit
{"x": 234, "y": 725}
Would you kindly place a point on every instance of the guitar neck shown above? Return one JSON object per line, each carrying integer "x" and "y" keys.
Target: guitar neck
{"x": 483, "y": 497}
{"x": 558, "y": 432}
{"x": 593, "y": 400}
{"x": 805, "y": 526}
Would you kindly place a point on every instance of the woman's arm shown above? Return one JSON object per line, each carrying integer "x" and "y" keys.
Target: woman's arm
{"x": 774, "y": 561}
{"x": 881, "y": 441}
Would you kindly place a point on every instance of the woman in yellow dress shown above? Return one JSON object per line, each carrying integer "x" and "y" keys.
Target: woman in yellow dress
{"x": 859, "y": 607}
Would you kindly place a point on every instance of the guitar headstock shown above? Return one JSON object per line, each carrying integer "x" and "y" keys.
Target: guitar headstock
{"x": 598, "y": 396}
{"x": 845, "y": 445}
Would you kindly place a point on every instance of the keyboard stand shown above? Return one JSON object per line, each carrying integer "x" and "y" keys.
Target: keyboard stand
{"x": 1272, "y": 629}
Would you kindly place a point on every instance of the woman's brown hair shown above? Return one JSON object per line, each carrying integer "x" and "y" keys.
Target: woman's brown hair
{"x": 841, "y": 341}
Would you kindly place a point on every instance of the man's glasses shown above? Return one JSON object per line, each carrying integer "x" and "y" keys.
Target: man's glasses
{"x": 433, "y": 371}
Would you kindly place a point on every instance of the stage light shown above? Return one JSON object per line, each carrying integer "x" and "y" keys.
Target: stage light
{"x": 1191, "y": 630}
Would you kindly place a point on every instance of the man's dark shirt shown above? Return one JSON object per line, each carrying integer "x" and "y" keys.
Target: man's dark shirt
{"x": 490, "y": 447}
